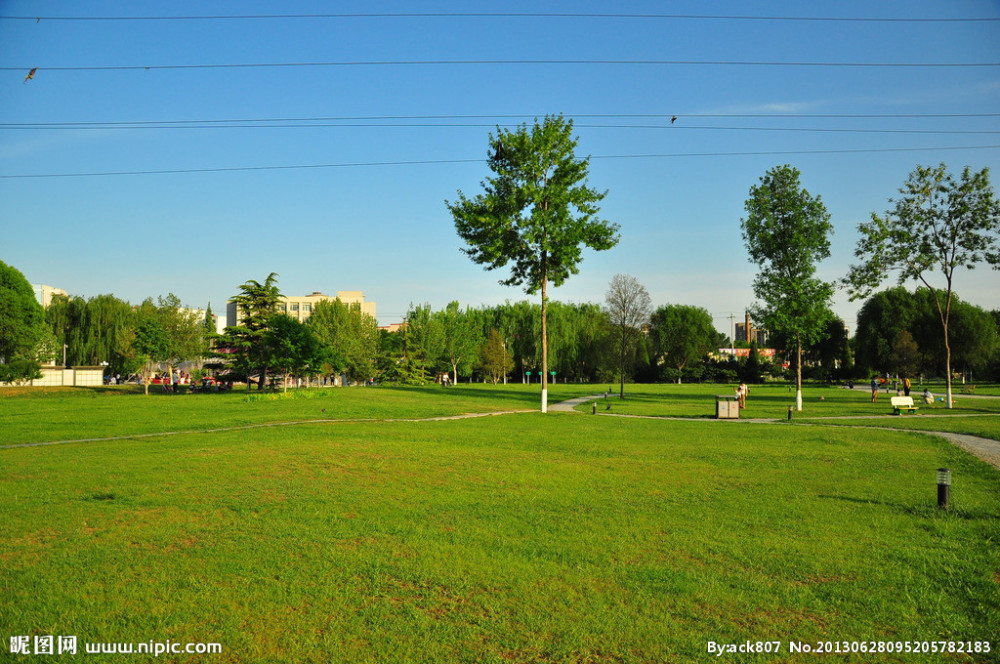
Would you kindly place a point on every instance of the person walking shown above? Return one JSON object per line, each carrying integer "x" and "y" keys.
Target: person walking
{"x": 906, "y": 386}
{"x": 874, "y": 389}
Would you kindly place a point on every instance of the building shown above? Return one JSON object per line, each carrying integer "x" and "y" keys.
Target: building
{"x": 44, "y": 294}
{"x": 301, "y": 307}
{"x": 747, "y": 332}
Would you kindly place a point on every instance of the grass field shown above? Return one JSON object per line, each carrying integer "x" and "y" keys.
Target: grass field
{"x": 511, "y": 538}
{"x": 772, "y": 401}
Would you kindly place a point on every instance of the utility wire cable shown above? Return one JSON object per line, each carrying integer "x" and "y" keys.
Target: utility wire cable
{"x": 494, "y": 116}
{"x": 378, "y": 125}
{"x": 471, "y": 161}
{"x": 452, "y": 63}
{"x": 556, "y": 15}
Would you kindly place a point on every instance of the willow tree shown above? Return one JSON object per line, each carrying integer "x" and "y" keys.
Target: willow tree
{"x": 536, "y": 212}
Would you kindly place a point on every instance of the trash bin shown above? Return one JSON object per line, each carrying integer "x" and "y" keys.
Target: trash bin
{"x": 727, "y": 407}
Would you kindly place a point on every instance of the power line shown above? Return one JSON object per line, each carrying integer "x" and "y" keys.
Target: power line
{"x": 557, "y": 15}
{"x": 373, "y": 125}
{"x": 471, "y": 161}
{"x": 494, "y": 116}
{"x": 446, "y": 63}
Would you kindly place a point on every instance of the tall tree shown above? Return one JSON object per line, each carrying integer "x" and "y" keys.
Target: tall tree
{"x": 22, "y": 326}
{"x": 495, "y": 360}
{"x": 975, "y": 340}
{"x": 350, "y": 336}
{"x": 682, "y": 335}
{"x": 787, "y": 232}
{"x": 184, "y": 331}
{"x": 94, "y": 331}
{"x": 627, "y": 305}
{"x": 938, "y": 223}
{"x": 425, "y": 339}
{"x": 832, "y": 349}
{"x": 537, "y": 212}
{"x": 148, "y": 342}
{"x": 461, "y": 339}
{"x": 245, "y": 341}
{"x": 292, "y": 348}
{"x": 882, "y": 318}
{"x": 209, "y": 325}
{"x": 905, "y": 357}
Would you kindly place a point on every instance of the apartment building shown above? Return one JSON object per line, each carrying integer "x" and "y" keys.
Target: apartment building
{"x": 45, "y": 293}
{"x": 301, "y": 307}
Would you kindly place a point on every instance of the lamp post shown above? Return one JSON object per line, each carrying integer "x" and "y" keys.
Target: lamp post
{"x": 943, "y": 487}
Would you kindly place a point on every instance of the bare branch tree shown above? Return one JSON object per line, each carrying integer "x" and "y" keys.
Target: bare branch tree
{"x": 627, "y": 305}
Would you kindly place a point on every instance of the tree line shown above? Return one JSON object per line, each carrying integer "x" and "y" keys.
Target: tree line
{"x": 592, "y": 343}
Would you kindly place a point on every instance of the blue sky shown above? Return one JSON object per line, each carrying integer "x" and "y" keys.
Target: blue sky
{"x": 358, "y": 203}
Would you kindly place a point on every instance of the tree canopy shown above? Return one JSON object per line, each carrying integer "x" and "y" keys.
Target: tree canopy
{"x": 786, "y": 232}
{"x": 938, "y": 224}
{"x": 900, "y": 331}
{"x": 536, "y": 212}
{"x": 246, "y": 339}
{"x": 22, "y": 325}
{"x": 351, "y": 336}
{"x": 682, "y": 334}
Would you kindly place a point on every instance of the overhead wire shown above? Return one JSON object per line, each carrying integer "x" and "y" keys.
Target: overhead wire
{"x": 167, "y": 126}
{"x": 604, "y": 15}
{"x": 470, "y": 161}
{"x": 487, "y": 62}
{"x": 426, "y": 121}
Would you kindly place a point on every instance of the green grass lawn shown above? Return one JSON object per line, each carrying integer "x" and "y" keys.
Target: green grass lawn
{"x": 773, "y": 401}
{"x": 514, "y": 538}
{"x": 49, "y": 414}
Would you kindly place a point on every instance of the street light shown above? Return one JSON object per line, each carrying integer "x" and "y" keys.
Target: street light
{"x": 944, "y": 487}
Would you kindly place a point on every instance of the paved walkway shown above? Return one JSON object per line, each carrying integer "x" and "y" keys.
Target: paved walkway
{"x": 568, "y": 406}
{"x": 986, "y": 449}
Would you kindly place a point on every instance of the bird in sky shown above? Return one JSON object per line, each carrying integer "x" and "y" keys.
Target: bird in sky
{"x": 31, "y": 75}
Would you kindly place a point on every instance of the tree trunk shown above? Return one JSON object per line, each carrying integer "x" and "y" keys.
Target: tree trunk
{"x": 545, "y": 337}
{"x": 947, "y": 366}
{"x": 798, "y": 374}
{"x": 621, "y": 369}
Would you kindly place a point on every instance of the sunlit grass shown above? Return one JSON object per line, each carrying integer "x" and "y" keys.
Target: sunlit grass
{"x": 559, "y": 538}
{"x": 54, "y": 414}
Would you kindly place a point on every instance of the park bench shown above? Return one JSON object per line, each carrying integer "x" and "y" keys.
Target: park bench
{"x": 902, "y": 405}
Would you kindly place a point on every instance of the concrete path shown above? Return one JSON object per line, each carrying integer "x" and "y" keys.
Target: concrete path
{"x": 986, "y": 449}
{"x": 569, "y": 405}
